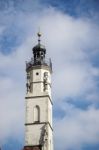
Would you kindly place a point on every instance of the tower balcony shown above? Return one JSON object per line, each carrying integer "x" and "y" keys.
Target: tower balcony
{"x": 32, "y": 63}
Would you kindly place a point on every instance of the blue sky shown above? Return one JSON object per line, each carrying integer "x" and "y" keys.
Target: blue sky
{"x": 71, "y": 35}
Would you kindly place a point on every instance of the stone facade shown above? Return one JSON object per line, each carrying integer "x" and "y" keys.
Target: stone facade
{"x": 38, "y": 116}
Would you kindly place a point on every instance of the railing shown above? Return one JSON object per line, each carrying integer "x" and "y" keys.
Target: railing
{"x": 32, "y": 63}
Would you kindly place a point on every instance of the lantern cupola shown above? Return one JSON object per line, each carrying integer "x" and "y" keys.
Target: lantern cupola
{"x": 39, "y": 52}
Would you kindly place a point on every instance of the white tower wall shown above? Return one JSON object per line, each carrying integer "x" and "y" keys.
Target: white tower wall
{"x": 38, "y": 118}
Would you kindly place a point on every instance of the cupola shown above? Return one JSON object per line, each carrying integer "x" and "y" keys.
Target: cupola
{"x": 39, "y": 52}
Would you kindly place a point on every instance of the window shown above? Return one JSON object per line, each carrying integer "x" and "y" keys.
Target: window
{"x": 37, "y": 73}
{"x": 36, "y": 114}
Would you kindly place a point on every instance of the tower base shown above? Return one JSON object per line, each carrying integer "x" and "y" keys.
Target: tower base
{"x": 32, "y": 147}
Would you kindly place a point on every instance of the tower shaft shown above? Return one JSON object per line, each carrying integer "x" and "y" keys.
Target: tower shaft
{"x": 38, "y": 116}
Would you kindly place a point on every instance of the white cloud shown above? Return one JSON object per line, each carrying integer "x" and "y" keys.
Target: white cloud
{"x": 70, "y": 43}
{"x": 77, "y": 128}
{"x": 11, "y": 108}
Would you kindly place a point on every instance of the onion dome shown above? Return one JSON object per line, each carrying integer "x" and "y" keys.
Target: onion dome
{"x": 39, "y": 51}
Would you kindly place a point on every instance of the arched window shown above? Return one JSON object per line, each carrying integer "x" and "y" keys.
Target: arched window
{"x": 36, "y": 114}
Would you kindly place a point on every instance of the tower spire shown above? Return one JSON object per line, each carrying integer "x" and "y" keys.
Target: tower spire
{"x": 39, "y": 51}
{"x": 39, "y": 36}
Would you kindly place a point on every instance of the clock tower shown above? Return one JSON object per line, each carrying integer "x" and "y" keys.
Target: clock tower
{"x": 38, "y": 116}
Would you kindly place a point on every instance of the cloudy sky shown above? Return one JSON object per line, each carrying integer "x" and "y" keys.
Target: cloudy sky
{"x": 70, "y": 32}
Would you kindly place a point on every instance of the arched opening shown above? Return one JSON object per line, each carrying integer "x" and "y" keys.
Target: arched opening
{"x": 36, "y": 114}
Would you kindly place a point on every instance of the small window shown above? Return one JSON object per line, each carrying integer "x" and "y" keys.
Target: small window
{"x": 37, "y": 73}
{"x": 36, "y": 114}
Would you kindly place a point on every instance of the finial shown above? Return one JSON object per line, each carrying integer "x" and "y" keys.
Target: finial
{"x": 39, "y": 35}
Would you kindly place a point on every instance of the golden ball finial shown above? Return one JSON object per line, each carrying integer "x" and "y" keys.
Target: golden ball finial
{"x": 39, "y": 34}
